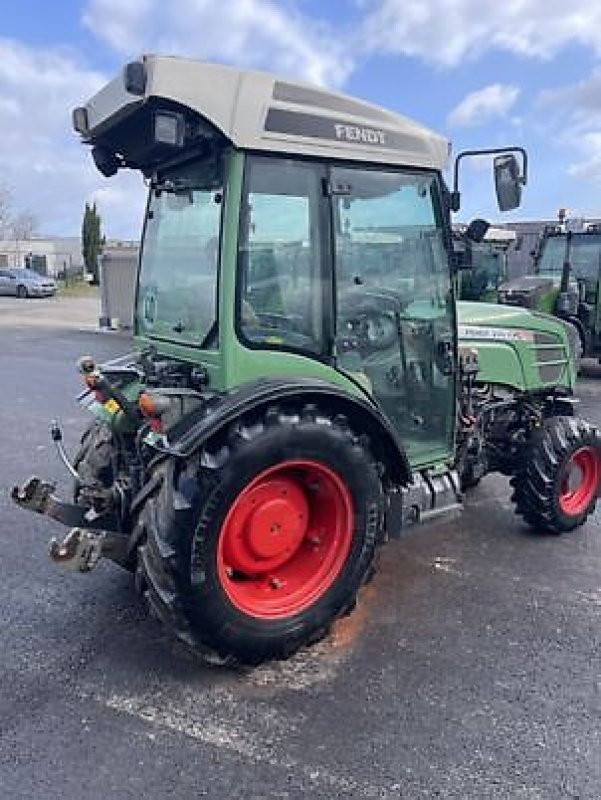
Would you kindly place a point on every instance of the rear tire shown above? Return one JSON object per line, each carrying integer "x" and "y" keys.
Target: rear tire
{"x": 257, "y": 544}
{"x": 559, "y": 481}
{"x": 94, "y": 459}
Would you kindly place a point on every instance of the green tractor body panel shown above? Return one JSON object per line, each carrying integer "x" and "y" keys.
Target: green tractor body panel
{"x": 517, "y": 348}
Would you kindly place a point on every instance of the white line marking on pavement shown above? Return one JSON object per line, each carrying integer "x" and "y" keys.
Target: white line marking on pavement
{"x": 231, "y": 736}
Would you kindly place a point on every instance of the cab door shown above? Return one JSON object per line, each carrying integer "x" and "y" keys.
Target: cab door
{"x": 395, "y": 317}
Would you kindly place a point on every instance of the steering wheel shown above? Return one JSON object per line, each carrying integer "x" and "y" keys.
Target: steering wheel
{"x": 368, "y": 321}
{"x": 266, "y": 326}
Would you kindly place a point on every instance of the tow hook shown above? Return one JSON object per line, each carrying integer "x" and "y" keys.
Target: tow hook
{"x": 80, "y": 550}
{"x": 92, "y": 536}
{"x": 38, "y": 496}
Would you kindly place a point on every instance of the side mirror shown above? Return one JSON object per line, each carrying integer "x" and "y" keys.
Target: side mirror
{"x": 106, "y": 161}
{"x": 476, "y": 230}
{"x": 509, "y": 179}
{"x": 508, "y": 182}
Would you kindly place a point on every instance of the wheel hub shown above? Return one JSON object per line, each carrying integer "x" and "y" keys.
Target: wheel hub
{"x": 267, "y": 526}
{"x": 580, "y": 481}
{"x": 285, "y": 539}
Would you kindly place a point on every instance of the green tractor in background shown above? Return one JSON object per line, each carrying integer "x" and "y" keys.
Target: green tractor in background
{"x": 567, "y": 281}
{"x": 486, "y": 267}
{"x": 305, "y": 384}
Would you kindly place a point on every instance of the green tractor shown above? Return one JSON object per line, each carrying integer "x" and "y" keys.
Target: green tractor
{"x": 305, "y": 385}
{"x": 567, "y": 281}
{"x": 487, "y": 265}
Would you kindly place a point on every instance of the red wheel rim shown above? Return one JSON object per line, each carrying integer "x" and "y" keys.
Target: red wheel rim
{"x": 580, "y": 481}
{"x": 285, "y": 539}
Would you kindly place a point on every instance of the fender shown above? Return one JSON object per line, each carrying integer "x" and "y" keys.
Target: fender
{"x": 192, "y": 431}
{"x": 581, "y": 332}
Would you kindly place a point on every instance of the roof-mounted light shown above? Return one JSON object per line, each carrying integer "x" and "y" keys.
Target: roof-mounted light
{"x": 169, "y": 128}
{"x": 134, "y": 77}
{"x": 80, "y": 120}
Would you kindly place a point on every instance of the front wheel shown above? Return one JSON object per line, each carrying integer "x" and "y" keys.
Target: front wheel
{"x": 22, "y": 292}
{"x": 559, "y": 480}
{"x": 255, "y": 547}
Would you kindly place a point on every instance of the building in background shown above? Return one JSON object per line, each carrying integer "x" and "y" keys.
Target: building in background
{"x": 55, "y": 256}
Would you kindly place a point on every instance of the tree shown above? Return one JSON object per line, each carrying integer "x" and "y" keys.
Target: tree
{"x": 91, "y": 241}
{"x": 5, "y": 212}
{"x": 15, "y": 225}
{"x": 24, "y": 225}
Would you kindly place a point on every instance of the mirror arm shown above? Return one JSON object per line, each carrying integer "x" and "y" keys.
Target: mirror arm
{"x": 494, "y": 151}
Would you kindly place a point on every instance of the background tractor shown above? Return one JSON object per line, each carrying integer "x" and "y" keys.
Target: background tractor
{"x": 305, "y": 385}
{"x": 487, "y": 262}
{"x": 567, "y": 280}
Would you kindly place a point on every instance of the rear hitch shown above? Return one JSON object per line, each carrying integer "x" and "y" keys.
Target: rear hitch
{"x": 37, "y": 495}
{"x": 80, "y": 550}
{"x": 92, "y": 536}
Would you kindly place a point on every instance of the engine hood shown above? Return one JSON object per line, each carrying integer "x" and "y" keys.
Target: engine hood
{"x": 518, "y": 348}
{"x": 530, "y": 283}
{"x": 514, "y": 317}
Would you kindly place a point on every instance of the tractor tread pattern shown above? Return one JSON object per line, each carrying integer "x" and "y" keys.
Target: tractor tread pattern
{"x": 536, "y": 484}
{"x": 163, "y": 574}
{"x": 94, "y": 458}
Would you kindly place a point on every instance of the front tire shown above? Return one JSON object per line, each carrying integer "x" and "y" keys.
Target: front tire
{"x": 255, "y": 546}
{"x": 22, "y": 292}
{"x": 557, "y": 486}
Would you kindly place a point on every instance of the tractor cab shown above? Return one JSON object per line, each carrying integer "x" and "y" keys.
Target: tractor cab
{"x": 289, "y": 231}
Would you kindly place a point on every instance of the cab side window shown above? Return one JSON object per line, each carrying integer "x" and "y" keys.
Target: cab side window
{"x": 280, "y": 259}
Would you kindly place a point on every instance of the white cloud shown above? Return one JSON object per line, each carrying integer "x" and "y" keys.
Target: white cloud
{"x": 589, "y": 166}
{"x": 483, "y": 105}
{"x": 582, "y": 100}
{"x": 255, "y": 33}
{"x": 572, "y": 117}
{"x": 445, "y": 32}
{"x": 41, "y": 160}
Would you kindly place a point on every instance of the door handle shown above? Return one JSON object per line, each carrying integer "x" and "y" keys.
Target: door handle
{"x": 445, "y": 356}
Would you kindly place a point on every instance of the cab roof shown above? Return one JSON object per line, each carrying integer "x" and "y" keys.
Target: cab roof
{"x": 258, "y": 111}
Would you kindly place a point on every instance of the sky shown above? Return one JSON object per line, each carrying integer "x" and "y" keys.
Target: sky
{"x": 483, "y": 73}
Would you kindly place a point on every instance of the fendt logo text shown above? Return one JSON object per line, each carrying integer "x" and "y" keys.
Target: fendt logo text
{"x": 353, "y": 133}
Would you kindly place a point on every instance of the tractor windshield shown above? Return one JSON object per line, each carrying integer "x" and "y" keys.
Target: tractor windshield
{"x": 585, "y": 255}
{"x": 177, "y": 288}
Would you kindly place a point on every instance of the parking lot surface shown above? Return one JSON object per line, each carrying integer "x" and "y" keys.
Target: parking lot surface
{"x": 61, "y": 312}
{"x": 471, "y": 668}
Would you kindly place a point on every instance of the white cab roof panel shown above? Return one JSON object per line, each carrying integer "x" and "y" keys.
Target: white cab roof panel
{"x": 258, "y": 111}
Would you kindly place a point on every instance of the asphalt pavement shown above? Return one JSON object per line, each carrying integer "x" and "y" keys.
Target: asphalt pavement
{"x": 470, "y": 669}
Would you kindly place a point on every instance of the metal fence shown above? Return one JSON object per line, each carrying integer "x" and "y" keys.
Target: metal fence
{"x": 117, "y": 287}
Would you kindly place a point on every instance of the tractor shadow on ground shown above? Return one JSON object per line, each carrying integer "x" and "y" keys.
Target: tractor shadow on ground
{"x": 590, "y": 370}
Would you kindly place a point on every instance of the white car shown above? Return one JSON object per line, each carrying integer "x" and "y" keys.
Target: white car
{"x": 26, "y": 283}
